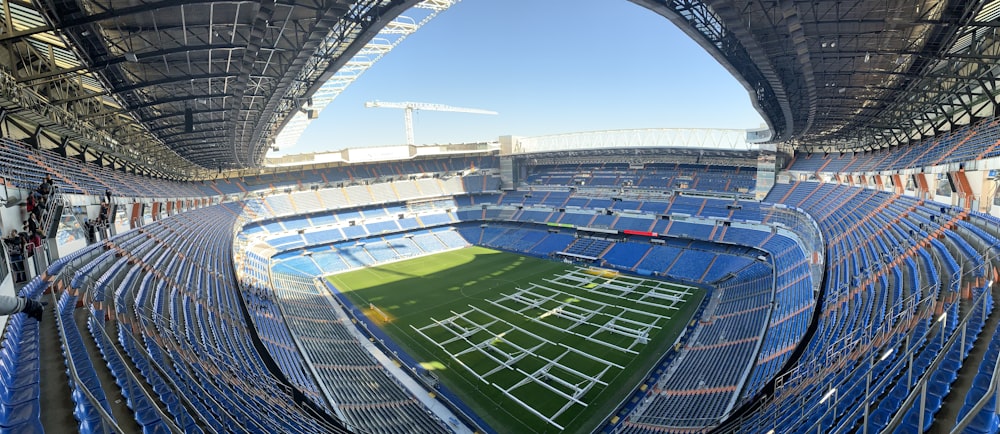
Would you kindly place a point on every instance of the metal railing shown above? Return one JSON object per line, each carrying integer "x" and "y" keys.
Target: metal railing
{"x": 863, "y": 346}
{"x": 992, "y": 392}
{"x": 108, "y": 421}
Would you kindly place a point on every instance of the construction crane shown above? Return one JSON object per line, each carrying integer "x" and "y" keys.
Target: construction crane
{"x": 409, "y": 107}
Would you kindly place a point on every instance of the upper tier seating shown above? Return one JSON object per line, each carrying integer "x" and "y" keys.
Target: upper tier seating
{"x": 654, "y": 176}
{"x": 888, "y": 277}
{"x": 355, "y": 173}
{"x": 69, "y": 176}
{"x": 971, "y": 142}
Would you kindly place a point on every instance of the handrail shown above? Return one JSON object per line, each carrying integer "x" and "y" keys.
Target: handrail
{"x": 135, "y": 383}
{"x": 919, "y": 388}
{"x": 108, "y": 420}
{"x": 742, "y": 424}
{"x": 991, "y": 391}
{"x": 166, "y": 378}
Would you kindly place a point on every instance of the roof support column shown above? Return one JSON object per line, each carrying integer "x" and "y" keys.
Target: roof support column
{"x": 970, "y": 187}
{"x": 923, "y": 186}
{"x": 897, "y": 184}
{"x": 62, "y": 151}
{"x": 36, "y": 138}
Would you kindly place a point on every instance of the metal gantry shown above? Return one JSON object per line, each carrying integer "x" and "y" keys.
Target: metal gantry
{"x": 852, "y": 75}
{"x": 388, "y": 38}
{"x": 175, "y": 88}
{"x": 184, "y": 88}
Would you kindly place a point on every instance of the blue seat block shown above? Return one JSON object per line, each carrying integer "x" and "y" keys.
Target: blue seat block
{"x": 18, "y": 414}
{"x": 156, "y": 428}
{"x": 19, "y": 395}
{"x": 33, "y": 426}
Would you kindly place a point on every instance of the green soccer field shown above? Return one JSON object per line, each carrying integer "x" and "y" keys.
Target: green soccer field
{"x": 531, "y": 345}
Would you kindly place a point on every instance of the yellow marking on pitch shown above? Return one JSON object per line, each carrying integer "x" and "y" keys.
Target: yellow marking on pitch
{"x": 433, "y": 366}
{"x": 378, "y": 316}
{"x": 600, "y": 272}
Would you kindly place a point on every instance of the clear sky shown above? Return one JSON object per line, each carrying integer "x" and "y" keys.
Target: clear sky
{"x": 547, "y": 66}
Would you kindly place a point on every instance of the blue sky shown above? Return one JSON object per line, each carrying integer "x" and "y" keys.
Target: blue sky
{"x": 547, "y": 66}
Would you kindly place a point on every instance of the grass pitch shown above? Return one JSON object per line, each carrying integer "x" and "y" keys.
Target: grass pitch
{"x": 531, "y": 345}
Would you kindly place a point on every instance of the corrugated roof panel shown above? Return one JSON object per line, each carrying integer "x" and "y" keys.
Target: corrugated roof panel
{"x": 25, "y": 18}
{"x": 63, "y": 58}
{"x": 989, "y": 12}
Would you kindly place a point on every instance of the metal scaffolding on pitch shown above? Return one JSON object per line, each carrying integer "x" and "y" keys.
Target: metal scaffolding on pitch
{"x": 555, "y": 305}
{"x": 562, "y": 380}
{"x": 491, "y": 351}
{"x": 622, "y": 315}
{"x": 579, "y": 389}
{"x": 649, "y": 292}
{"x": 543, "y": 377}
{"x": 460, "y": 332}
{"x": 654, "y": 318}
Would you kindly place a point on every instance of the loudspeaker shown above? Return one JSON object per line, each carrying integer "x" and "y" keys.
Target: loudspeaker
{"x": 188, "y": 120}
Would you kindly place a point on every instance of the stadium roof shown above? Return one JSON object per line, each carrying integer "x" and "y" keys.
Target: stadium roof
{"x": 174, "y": 87}
{"x": 182, "y": 88}
{"x": 852, "y": 74}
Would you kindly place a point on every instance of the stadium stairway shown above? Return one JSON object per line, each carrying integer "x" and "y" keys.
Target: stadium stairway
{"x": 123, "y": 415}
{"x": 949, "y": 414}
{"x": 57, "y": 413}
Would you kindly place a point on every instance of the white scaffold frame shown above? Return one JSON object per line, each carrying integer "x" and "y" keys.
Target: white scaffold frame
{"x": 576, "y": 384}
{"x": 476, "y": 332}
{"x": 614, "y": 323}
{"x": 661, "y": 291}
